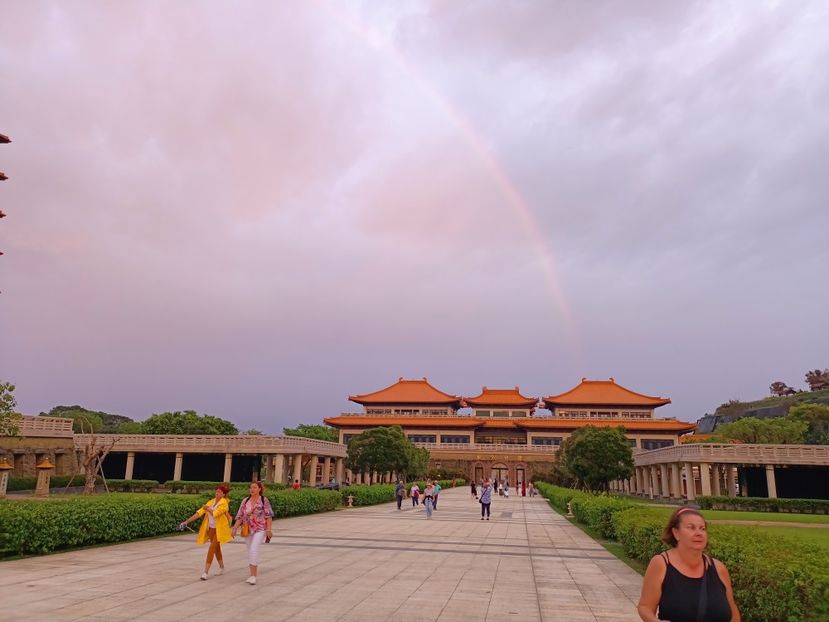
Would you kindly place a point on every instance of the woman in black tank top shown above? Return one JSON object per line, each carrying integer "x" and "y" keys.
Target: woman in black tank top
{"x": 683, "y": 584}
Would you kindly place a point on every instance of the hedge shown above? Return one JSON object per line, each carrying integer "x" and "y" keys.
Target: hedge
{"x": 56, "y": 481}
{"x": 365, "y": 494}
{"x": 763, "y": 504}
{"x": 132, "y": 485}
{"x": 205, "y": 487}
{"x": 775, "y": 578}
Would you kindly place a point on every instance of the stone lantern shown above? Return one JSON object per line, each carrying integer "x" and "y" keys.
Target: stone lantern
{"x": 5, "y": 467}
{"x": 44, "y": 474}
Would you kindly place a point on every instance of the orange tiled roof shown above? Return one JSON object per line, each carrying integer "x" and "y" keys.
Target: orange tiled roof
{"x": 501, "y": 397}
{"x": 656, "y": 425}
{"x": 408, "y": 392}
{"x": 603, "y": 393}
{"x": 356, "y": 421}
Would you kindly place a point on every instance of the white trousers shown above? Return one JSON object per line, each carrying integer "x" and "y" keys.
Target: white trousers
{"x": 253, "y": 541}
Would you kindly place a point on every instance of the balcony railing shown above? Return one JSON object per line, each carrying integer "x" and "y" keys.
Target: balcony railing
{"x": 45, "y": 426}
{"x": 499, "y": 447}
{"x": 736, "y": 454}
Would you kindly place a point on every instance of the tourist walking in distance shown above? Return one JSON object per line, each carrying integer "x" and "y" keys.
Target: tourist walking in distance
{"x": 683, "y": 584}
{"x": 415, "y": 492}
{"x": 437, "y": 494}
{"x": 400, "y": 493}
{"x": 429, "y": 499}
{"x": 474, "y": 490}
{"x": 485, "y": 499}
{"x": 506, "y": 489}
{"x": 501, "y": 489}
{"x": 215, "y": 528}
{"x": 254, "y": 520}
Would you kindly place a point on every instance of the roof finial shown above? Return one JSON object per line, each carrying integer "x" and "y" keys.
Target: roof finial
{"x": 612, "y": 380}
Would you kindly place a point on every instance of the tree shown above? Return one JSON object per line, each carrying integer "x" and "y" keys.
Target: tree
{"x": 94, "y": 453}
{"x": 776, "y": 430}
{"x": 780, "y": 389}
{"x": 129, "y": 427}
{"x": 103, "y": 422}
{"x": 319, "y": 432}
{"x": 186, "y": 422}
{"x": 9, "y": 418}
{"x": 597, "y": 456}
{"x": 817, "y": 379}
{"x": 386, "y": 449}
{"x": 253, "y": 432}
{"x": 816, "y": 417}
{"x": 82, "y": 419}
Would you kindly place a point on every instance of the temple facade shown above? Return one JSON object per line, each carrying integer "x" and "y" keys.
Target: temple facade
{"x": 504, "y": 437}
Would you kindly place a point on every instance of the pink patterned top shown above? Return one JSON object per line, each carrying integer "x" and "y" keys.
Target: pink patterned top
{"x": 254, "y": 515}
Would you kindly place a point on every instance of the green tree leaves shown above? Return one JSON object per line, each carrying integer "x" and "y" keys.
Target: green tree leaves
{"x": 386, "y": 449}
{"x": 9, "y": 419}
{"x": 595, "y": 456}
{"x": 777, "y": 430}
{"x": 816, "y": 417}
{"x": 319, "y": 432}
{"x": 186, "y": 422}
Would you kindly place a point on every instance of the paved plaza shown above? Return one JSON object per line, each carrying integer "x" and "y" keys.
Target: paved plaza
{"x": 363, "y": 564}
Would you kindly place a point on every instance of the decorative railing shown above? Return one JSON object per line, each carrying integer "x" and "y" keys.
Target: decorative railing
{"x": 45, "y": 426}
{"x": 499, "y": 447}
{"x": 736, "y": 454}
{"x": 545, "y": 415}
{"x": 242, "y": 443}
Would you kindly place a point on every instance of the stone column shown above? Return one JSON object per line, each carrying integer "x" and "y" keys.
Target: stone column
{"x": 731, "y": 480}
{"x": 340, "y": 470}
{"x": 652, "y": 492}
{"x": 676, "y": 481}
{"x": 228, "y": 467}
{"x": 269, "y": 468}
{"x": 356, "y": 477}
{"x": 177, "y": 467}
{"x": 279, "y": 468}
{"x": 312, "y": 472}
{"x": 665, "y": 481}
{"x": 326, "y": 470}
{"x": 297, "y": 458}
{"x": 705, "y": 478}
{"x": 5, "y": 468}
{"x": 717, "y": 474}
{"x": 772, "y": 484}
{"x": 690, "y": 486}
{"x": 130, "y": 465}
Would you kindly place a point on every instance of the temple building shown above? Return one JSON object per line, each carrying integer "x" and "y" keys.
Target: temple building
{"x": 505, "y": 437}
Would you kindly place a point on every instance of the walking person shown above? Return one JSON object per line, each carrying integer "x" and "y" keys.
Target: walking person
{"x": 523, "y": 489}
{"x": 215, "y": 528}
{"x": 415, "y": 492}
{"x": 429, "y": 499}
{"x": 501, "y": 489}
{"x": 400, "y": 493}
{"x": 437, "y": 493}
{"x": 485, "y": 499}
{"x": 506, "y": 489}
{"x": 474, "y": 490}
{"x": 683, "y": 584}
{"x": 254, "y": 520}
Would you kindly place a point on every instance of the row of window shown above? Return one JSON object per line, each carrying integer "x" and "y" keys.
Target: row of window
{"x": 645, "y": 443}
{"x": 502, "y": 413}
{"x": 604, "y": 414}
{"x": 408, "y": 411}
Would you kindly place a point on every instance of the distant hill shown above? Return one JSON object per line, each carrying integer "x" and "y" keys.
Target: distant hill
{"x": 772, "y": 406}
{"x": 110, "y": 421}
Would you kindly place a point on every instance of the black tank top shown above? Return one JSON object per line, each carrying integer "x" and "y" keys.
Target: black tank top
{"x": 681, "y": 595}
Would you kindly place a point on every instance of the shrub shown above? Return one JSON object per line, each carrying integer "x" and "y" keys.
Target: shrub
{"x": 365, "y": 494}
{"x": 597, "y": 511}
{"x": 132, "y": 485}
{"x": 205, "y": 487}
{"x": 775, "y": 579}
{"x": 56, "y": 481}
{"x": 763, "y": 504}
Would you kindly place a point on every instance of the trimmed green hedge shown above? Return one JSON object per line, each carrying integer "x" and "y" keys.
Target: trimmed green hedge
{"x": 775, "y": 579}
{"x": 763, "y": 504}
{"x": 591, "y": 509}
{"x": 132, "y": 485}
{"x": 205, "y": 487}
{"x": 365, "y": 494}
{"x": 56, "y": 481}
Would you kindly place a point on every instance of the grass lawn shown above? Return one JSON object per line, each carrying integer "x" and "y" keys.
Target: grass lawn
{"x": 817, "y": 537}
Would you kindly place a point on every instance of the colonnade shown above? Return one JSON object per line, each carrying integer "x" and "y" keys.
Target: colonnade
{"x": 678, "y": 480}
{"x": 277, "y": 467}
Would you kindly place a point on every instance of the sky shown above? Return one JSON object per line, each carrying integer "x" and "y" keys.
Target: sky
{"x": 256, "y": 209}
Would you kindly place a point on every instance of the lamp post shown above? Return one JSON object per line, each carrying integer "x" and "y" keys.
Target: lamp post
{"x": 5, "y": 467}
{"x": 44, "y": 474}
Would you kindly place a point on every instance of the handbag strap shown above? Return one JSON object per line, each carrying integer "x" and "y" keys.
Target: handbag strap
{"x": 702, "y": 606}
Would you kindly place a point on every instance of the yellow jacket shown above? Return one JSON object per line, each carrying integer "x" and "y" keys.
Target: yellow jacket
{"x": 221, "y": 516}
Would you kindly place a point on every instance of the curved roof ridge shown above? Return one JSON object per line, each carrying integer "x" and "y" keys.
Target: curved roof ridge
{"x": 583, "y": 388}
{"x": 407, "y": 391}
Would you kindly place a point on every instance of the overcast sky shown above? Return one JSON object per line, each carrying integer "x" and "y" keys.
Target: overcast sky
{"x": 256, "y": 209}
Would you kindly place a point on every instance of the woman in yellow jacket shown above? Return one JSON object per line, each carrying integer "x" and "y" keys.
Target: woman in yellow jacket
{"x": 215, "y": 528}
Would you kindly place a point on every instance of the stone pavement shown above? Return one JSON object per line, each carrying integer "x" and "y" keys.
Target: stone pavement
{"x": 375, "y": 563}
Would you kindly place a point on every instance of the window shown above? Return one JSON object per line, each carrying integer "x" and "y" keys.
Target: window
{"x": 348, "y": 437}
{"x": 446, "y": 438}
{"x": 632, "y": 442}
{"x": 422, "y": 438}
{"x": 548, "y": 440}
{"x": 520, "y": 413}
{"x": 482, "y": 413}
{"x": 501, "y": 413}
{"x": 656, "y": 443}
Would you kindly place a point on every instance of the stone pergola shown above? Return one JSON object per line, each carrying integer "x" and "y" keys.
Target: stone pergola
{"x": 283, "y": 454}
{"x": 673, "y": 472}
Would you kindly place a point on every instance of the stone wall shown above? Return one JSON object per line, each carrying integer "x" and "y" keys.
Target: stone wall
{"x": 23, "y": 453}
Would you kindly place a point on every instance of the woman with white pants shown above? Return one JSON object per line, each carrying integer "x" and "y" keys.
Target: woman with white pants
{"x": 254, "y": 518}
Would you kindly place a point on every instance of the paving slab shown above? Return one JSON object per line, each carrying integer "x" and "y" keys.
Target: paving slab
{"x": 377, "y": 563}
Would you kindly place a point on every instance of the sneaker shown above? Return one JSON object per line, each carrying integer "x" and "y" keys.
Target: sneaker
{"x": 251, "y": 580}
{"x": 482, "y": 518}
{"x": 204, "y": 576}
{"x": 220, "y": 572}
{"x": 487, "y": 517}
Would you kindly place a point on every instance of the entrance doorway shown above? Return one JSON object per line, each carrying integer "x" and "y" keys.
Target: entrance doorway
{"x": 519, "y": 476}
{"x": 479, "y": 474}
{"x": 500, "y": 472}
